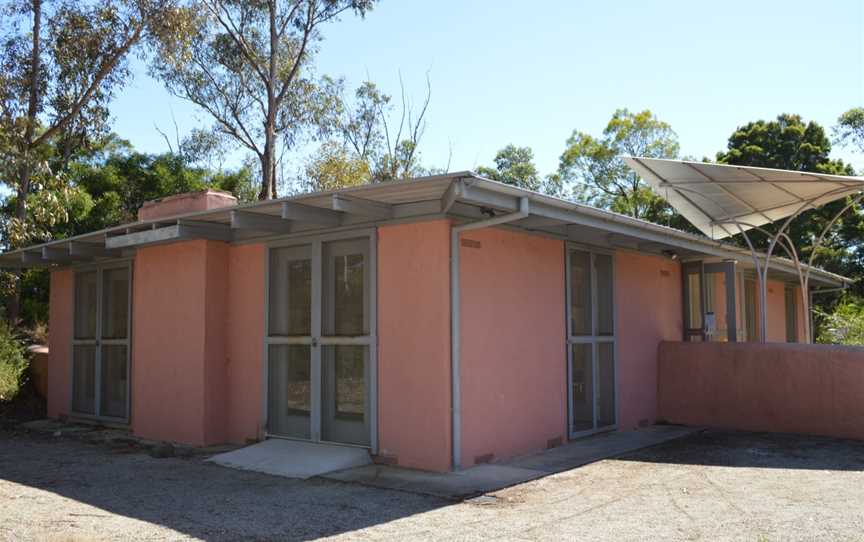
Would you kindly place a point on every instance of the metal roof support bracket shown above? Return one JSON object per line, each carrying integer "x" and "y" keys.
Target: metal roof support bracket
{"x": 308, "y": 213}
{"x": 259, "y": 222}
{"x": 362, "y": 207}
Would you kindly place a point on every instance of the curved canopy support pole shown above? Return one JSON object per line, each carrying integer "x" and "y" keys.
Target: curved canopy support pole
{"x": 806, "y": 282}
{"x": 758, "y": 264}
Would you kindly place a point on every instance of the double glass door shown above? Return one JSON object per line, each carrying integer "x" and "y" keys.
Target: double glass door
{"x": 100, "y": 345}
{"x": 591, "y": 342}
{"x": 321, "y": 342}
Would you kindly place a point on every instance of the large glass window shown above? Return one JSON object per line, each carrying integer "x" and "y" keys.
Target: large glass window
{"x": 100, "y": 346}
{"x": 321, "y": 341}
{"x": 591, "y": 341}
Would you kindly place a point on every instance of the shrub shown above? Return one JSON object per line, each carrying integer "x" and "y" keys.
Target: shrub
{"x": 845, "y": 325}
{"x": 13, "y": 363}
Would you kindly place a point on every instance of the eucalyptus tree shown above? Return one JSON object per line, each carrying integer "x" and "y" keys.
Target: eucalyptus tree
{"x": 850, "y": 129}
{"x": 61, "y": 62}
{"x": 248, "y": 64}
{"x": 514, "y": 165}
{"x": 591, "y": 167}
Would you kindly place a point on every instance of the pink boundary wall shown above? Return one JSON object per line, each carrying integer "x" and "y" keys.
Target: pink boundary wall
{"x": 648, "y": 308}
{"x": 790, "y": 388}
{"x": 513, "y": 357}
{"x": 60, "y": 320}
{"x": 414, "y": 344}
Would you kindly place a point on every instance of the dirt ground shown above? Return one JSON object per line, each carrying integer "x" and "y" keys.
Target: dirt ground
{"x": 710, "y": 486}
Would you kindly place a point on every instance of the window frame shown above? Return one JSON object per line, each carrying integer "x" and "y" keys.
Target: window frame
{"x": 98, "y": 342}
{"x": 594, "y": 339}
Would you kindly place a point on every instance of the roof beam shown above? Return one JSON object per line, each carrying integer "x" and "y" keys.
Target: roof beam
{"x": 31, "y": 258}
{"x": 259, "y": 222}
{"x": 362, "y": 207}
{"x": 90, "y": 250}
{"x": 192, "y": 229}
{"x": 58, "y": 254}
{"x": 308, "y": 213}
{"x": 145, "y": 237}
{"x": 451, "y": 195}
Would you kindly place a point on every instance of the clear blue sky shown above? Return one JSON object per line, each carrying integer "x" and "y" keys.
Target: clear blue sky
{"x": 529, "y": 73}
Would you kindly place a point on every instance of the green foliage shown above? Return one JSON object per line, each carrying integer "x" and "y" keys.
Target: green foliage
{"x": 785, "y": 143}
{"x": 122, "y": 182}
{"x": 13, "y": 363}
{"x": 850, "y": 128}
{"x": 591, "y": 170}
{"x": 790, "y": 143}
{"x": 844, "y": 325}
{"x": 334, "y": 167}
{"x": 514, "y": 165}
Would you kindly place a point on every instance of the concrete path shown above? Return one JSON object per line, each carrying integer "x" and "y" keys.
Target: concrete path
{"x": 482, "y": 479}
{"x": 293, "y": 459}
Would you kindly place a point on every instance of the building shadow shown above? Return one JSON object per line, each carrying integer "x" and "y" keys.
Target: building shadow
{"x": 199, "y": 499}
{"x": 724, "y": 448}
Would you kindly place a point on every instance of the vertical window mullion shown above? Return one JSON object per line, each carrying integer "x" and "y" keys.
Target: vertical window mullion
{"x": 98, "y": 376}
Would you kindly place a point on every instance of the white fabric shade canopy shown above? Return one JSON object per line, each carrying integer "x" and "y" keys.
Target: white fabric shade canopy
{"x": 719, "y": 199}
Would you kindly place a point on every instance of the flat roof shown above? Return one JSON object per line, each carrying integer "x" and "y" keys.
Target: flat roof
{"x": 462, "y": 196}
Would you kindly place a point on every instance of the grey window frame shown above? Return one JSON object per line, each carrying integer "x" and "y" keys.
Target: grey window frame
{"x": 595, "y": 339}
{"x": 317, "y": 340}
{"x": 99, "y": 342}
{"x": 789, "y": 295}
{"x": 702, "y": 268}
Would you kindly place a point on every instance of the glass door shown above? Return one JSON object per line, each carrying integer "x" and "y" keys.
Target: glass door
{"x": 321, "y": 342}
{"x": 100, "y": 345}
{"x": 591, "y": 342}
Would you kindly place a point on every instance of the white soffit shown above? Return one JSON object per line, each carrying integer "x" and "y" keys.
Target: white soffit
{"x": 718, "y": 198}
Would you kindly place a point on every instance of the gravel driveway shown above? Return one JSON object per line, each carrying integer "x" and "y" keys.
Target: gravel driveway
{"x": 712, "y": 486}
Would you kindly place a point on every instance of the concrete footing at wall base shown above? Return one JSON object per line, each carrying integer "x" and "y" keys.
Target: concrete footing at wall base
{"x": 480, "y": 479}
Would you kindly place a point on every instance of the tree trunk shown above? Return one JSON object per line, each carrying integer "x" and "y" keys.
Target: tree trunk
{"x": 25, "y": 168}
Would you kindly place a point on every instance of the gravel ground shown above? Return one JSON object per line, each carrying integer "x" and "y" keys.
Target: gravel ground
{"x": 712, "y": 486}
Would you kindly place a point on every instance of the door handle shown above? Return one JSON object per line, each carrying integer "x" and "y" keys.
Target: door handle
{"x": 314, "y": 342}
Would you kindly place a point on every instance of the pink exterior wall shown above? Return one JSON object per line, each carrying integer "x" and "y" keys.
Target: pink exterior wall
{"x": 648, "y": 308}
{"x": 60, "y": 320}
{"x": 776, "y": 312}
{"x": 414, "y": 344}
{"x": 514, "y": 391}
{"x": 245, "y": 335}
{"x": 811, "y": 389}
{"x": 175, "y": 360}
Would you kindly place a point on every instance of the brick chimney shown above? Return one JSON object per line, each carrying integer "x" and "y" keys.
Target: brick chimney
{"x": 188, "y": 202}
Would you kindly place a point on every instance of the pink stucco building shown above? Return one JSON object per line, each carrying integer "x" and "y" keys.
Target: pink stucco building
{"x": 440, "y": 322}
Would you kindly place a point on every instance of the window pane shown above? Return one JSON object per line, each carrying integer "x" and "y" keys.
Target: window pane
{"x": 114, "y": 381}
{"x": 750, "y": 309}
{"x": 603, "y": 265}
{"x": 583, "y": 388}
{"x": 605, "y": 385}
{"x": 84, "y": 379}
{"x": 344, "y": 394}
{"x": 290, "y": 292}
{"x": 289, "y": 393}
{"x": 115, "y": 303}
{"x": 694, "y": 308}
{"x": 345, "y": 288}
{"x": 791, "y": 316}
{"x": 715, "y": 302}
{"x": 580, "y": 293}
{"x": 85, "y": 305}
